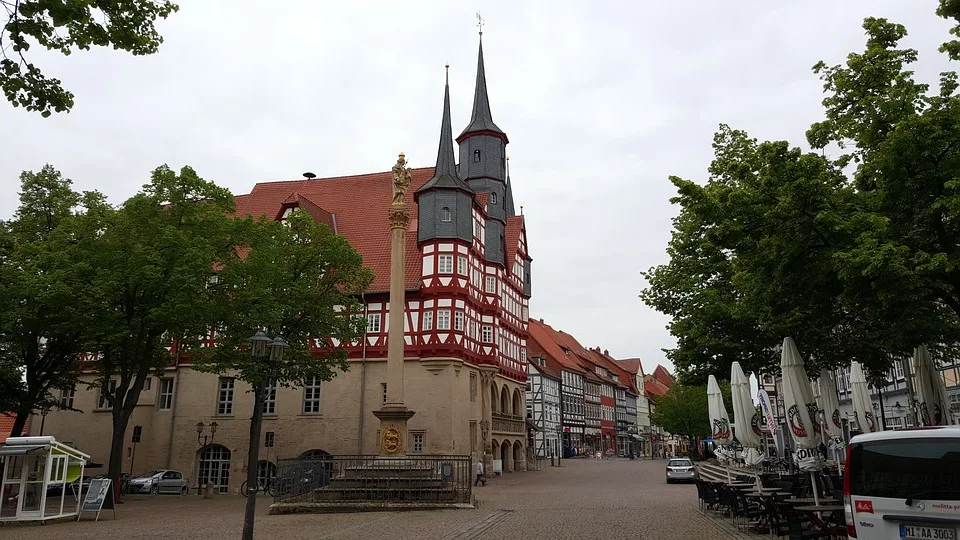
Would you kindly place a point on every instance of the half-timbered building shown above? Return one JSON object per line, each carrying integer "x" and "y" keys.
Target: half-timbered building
{"x": 543, "y": 407}
{"x": 467, "y": 281}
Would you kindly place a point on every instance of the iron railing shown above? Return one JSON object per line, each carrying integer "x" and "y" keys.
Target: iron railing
{"x": 370, "y": 478}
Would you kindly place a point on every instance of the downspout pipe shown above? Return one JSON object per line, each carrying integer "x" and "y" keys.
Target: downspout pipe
{"x": 363, "y": 378}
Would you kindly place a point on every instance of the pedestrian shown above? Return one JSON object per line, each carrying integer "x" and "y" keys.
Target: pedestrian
{"x": 479, "y": 470}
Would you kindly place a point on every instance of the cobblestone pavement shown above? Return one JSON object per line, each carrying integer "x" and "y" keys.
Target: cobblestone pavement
{"x": 583, "y": 499}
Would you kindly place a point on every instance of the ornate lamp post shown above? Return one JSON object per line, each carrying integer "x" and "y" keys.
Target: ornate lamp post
{"x": 213, "y": 431}
{"x": 265, "y": 363}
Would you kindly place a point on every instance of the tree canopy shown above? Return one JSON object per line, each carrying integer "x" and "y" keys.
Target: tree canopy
{"x": 45, "y": 304}
{"x": 683, "y": 410}
{"x": 856, "y": 257}
{"x": 56, "y": 25}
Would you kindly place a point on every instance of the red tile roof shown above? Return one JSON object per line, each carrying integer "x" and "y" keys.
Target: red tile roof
{"x": 6, "y": 425}
{"x": 663, "y": 376}
{"x": 653, "y": 387}
{"x": 358, "y": 206}
{"x": 548, "y": 340}
{"x": 512, "y": 234}
{"x": 632, "y": 365}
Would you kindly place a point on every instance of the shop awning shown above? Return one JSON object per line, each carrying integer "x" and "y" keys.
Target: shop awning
{"x": 19, "y": 450}
{"x": 638, "y": 437}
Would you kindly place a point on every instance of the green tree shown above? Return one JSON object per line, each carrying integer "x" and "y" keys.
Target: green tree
{"x": 297, "y": 280}
{"x": 683, "y": 410}
{"x": 44, "y": 300}
{"x": 154, "y": 261}
{"x": 65, "y": 26}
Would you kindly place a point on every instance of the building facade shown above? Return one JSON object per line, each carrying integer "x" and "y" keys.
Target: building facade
{"x": 468, "y": 283}
{"x": 543, "y": 408}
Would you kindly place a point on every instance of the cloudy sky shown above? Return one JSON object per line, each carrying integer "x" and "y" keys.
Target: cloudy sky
{"x": 601, "y": 101}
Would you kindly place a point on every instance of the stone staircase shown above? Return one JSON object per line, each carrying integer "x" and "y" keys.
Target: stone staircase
{"x": 390, "y": 485}
{"x": 714, "y": 472}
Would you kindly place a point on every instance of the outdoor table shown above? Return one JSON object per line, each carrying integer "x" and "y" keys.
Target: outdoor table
{"x": 740, "y": 485}
{"x": 811, "y": 500}
{"x": 816, "y": 514}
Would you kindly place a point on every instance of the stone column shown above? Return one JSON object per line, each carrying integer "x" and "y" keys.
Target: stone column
{"x": 486, "y": 377}
{"x": 394, "y": 414}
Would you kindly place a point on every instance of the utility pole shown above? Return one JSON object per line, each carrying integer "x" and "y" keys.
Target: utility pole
{"x": 911, "y": 402}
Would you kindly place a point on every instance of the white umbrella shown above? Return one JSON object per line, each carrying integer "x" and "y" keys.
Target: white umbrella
{"x": 743, "y": 415}
{"x": 801, "y": 412}
{"x": 830, "y": 406}
{"x": 931, "y": 391}
{"x": 719, "y": 420}
{"x": 862, "y": 404}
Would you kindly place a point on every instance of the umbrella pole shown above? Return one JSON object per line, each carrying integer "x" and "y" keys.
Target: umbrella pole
{"x": 813, "y": 482}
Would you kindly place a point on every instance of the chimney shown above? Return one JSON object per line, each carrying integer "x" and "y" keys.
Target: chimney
{"x": 606, "y": 352}
{"x": 541, "y": 320}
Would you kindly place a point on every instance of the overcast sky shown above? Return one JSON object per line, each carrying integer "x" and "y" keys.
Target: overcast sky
{"x": 601, "y": 102}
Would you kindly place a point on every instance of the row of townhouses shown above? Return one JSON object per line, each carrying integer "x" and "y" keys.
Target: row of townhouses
{"x": 582, "y": 400}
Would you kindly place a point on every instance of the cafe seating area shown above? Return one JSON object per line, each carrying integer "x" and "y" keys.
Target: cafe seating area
{"x": 781, "y": 505}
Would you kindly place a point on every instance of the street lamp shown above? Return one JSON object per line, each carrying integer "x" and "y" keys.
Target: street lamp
{"x": 213, "y": 431}
{"x": 265, "y": 370}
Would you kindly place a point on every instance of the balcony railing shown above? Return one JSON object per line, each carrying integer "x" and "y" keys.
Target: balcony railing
{"x": 508, "y": 423}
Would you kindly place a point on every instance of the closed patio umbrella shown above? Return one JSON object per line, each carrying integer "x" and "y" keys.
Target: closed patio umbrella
{"x": 801, "y": 412}
{"x": 719, "y": 420}
{"x": 830, "y": 406}
{"x": 743, "y": 415}
{"x": 932, "y": 404}
{"x": 862, "y": 404}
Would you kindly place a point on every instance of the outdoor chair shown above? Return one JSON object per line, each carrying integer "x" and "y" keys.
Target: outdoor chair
{"x": 748, "y": 510}
{"x": 796, "y": 527}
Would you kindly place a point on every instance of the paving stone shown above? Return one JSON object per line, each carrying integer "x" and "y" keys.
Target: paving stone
{"x": 583, "y": 499}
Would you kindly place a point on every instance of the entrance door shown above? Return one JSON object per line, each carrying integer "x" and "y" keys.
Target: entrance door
{"x": 215, "y": 468}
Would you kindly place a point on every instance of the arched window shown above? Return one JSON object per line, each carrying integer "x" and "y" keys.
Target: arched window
{"x": 476, "y": 156}
{"x": 493, "y": 197}
{"x": 444, "y": 214}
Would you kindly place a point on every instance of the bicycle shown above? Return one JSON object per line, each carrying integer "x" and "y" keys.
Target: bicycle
{"x": 263, "y": 486}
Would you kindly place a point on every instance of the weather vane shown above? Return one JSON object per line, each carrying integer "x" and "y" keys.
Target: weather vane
{"x": 480, "y": 23}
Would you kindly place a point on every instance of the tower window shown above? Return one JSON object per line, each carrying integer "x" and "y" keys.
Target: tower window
{"x": 493, "y": 197}
{"x": 476, "y": 156}
{"x": 444, "y": 214}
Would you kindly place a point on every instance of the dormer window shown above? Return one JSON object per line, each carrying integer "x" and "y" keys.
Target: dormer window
{"x": 444, "y": 214}
{"x": 493, "y": 197}
{"x": 476, "y": 156}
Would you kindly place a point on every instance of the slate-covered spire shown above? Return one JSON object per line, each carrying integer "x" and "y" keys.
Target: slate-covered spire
{"x": 481, "y": 119}
{"x": 445, "y": 175}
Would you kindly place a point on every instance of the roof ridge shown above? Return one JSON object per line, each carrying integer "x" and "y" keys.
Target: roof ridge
{"x": 318, "y": 179}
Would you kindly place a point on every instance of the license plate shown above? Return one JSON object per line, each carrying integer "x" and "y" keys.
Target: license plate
{"x": 914, "y": 532}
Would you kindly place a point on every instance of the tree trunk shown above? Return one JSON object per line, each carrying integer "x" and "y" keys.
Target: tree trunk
{"x": 115, "y": 466}
{"x": 19, "y": 423}
{"x": 253, "y": 461}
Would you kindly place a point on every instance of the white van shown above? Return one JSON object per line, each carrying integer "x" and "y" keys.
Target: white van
{"x": 903, "y": 485}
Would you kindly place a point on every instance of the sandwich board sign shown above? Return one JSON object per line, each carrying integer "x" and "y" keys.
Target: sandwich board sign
{"x": 99, "y": 496}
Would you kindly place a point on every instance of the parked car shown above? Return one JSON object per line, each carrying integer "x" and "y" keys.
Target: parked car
{"x": 903, "y": 484}
{"x": 680, "y": 470}
{"x": 162, "y": 481}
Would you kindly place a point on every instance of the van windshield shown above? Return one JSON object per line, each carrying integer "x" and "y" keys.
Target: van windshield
{"x": 905, "y": 468}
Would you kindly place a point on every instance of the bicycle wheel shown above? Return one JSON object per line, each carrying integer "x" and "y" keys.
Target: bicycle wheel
{"x": 243, "y": 488}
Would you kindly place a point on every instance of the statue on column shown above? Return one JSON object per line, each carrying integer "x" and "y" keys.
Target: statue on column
{"x": 401, "y": 180}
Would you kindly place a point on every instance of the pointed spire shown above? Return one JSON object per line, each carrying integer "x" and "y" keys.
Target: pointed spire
{"x": 445, "y": 174}
{"x": 481, "y": 119}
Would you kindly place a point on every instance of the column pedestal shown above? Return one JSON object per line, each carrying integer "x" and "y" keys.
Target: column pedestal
{"x": 393, "y": 430}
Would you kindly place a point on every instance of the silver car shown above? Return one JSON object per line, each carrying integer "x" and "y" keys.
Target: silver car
{"x": 162, "y": 481}
{"x": 680, "y": 470}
